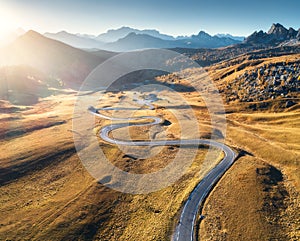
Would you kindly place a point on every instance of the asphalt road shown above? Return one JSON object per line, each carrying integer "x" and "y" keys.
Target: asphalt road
{"x": 185, "y": 228}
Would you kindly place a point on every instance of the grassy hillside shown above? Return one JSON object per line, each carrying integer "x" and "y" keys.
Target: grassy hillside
{"x": 52, "y": 197}
{"x": 47, "y": 194}
{"x": 259, "y": 197}
{"x": 54, "y": 59}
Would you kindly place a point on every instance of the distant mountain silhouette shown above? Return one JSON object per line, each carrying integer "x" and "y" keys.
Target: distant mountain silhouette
{"x": 76, "y": 40}
{"x": 114, "y": 35}
{"x": 238, "y": 38}
{"x": 139, "y": 41}
{"x": 126, "y": 39}
{"x": 277, "y": 34}
{"x": 204, "y": 40}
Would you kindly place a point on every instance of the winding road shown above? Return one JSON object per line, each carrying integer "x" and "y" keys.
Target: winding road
{"x": 185, "y": 228}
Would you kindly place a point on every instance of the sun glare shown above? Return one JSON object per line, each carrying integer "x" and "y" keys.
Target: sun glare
{"x": 8, "y": 23}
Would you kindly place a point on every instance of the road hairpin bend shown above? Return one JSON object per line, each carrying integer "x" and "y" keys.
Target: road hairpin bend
{"x": 185, "y": 228}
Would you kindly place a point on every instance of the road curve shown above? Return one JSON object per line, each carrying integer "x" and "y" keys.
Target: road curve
{"x": 185, "y": 229}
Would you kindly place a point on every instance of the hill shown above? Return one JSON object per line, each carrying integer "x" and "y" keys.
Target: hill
{"x": 47, "y": 194}
{"x": 208, "y": 57}
{"x": 67, "y": 65}
{"x": 61, "y": 201}
{"x": 260, "y": 83}
{"x": 24, "y": 85}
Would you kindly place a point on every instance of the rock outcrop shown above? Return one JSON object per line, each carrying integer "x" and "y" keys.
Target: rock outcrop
{"x": 265, "y": 83}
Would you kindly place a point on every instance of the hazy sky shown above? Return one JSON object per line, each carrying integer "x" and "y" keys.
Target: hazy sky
{"x": 238, "y": 17}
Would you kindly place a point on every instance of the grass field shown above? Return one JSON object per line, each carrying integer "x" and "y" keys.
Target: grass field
{"x": 47, "y": 194}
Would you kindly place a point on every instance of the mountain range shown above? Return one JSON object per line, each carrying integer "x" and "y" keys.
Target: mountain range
{"x": 238, "y": 38}
{"x": 45, "y": 64}
{"x": 116, "y": 34}
{"x": 126, "y": 39}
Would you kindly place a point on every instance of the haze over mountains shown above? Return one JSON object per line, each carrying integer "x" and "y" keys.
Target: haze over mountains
{"x": 126, "y": 39}
{"x": 116, "y": 34}
{"x": 33, "y": 66}
{"x": 57, "y": 64}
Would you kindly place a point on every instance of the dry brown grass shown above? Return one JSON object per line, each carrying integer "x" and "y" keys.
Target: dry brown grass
{"x": 243, "y": 206}
{"x": 240, "y": 208}
{"x": 46, "y": 194}
{"x": 50, "y": 196}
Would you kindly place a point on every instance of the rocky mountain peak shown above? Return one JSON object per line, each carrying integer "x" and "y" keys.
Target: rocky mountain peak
{"x": 202, "y": 35}
{"x": 278, "y": 31}
{"x": 276, "y": 35}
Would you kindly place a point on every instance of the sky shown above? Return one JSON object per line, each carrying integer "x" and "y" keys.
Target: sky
{"x": 237, "y": 17}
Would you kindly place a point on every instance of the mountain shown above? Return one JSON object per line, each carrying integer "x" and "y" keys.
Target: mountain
{"x": 277, "y": 34}
{"x": 126, "y": 39}
{"x": 56, "y": 60}
{"x": 76, "y": 40}
{"x": 116, "y": 34}
{"x": 139, "y": 41}
{"x": 204, "y": 40}
{"x": 238, "y": 38}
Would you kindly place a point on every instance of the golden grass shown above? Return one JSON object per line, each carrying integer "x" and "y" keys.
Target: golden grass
{"x": 57, "y": 199}
{"x": 234, "y": 210}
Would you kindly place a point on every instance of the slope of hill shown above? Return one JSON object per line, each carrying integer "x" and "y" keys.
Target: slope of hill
{"x": 207, "y": 57}
{"x": 259, "y": 197}
{"x": 47, "y": 194}
{"x": 262, "y": 82}
{"x": 23, "y": 85}
{"x": 66, "y": 64}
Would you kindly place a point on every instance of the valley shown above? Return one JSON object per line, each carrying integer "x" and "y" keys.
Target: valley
{"x": 47, "y": 192}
